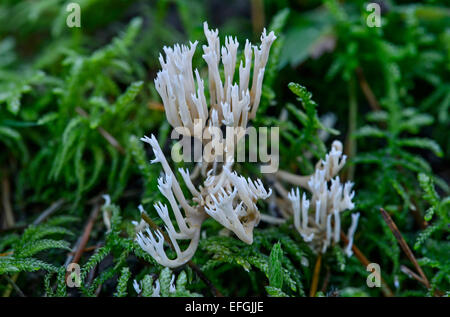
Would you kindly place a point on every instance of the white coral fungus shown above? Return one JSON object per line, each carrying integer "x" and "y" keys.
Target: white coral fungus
{"x": 222, "y": 194}
{"x": 317, "y": 219}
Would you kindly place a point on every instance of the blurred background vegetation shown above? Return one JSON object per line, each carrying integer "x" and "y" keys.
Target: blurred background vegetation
{"x": 75, "y": 101}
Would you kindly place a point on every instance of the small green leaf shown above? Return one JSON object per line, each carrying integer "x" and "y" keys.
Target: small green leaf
{"x": 34, "y": 247}
{"x": 369, "y": 131}
{"x": 122, "y": 283}
{"x": 275, "y": 267}
{"x": 275, "y": 292}
{"x": 422, "y": 143}
{"x": 165, "y": 279}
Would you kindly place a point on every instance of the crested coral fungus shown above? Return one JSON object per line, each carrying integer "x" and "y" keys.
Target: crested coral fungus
{"x": 317, "y": 218}
{"x": 221, "y": 193}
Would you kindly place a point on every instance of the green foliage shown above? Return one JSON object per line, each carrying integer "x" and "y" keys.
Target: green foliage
{"x": 279, "y": 272}
{"x": 15, "y": 265}
{"x": 432, "y": 242}
{"x": 275, "y": 267}
{"x": 61, "y": 289}
{"x": 147, "y": 286}
{"x": 122, "y": 283}
{"x": 74, "y": 104}
{"x": 304, "y": 139}
{"x": 180, "y": 287}
{"x": 165, "y": 285}
{"x": 20, "y": 251}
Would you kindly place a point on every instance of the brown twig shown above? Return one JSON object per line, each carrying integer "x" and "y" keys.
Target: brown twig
{"x": 367, "y": 91}
{"x": 86, "y": 233}
{"x": 326, "y": 280}
{"x": 80, "y": 245}
{"x": 315, "y": 279}
{"x": 350, "y": 142}
{"x": 191, "y": 264}
{"x": 111, "y": 140}
{"x": 364, "y": 261}
{"x": 8, "y": 220}
{"x": 87, "y": 249}
{"x": 410, "y": 273}
{"x": 96, "y": 199}
{"x": 258, "y": 16}
{"x": 47, "y": 212}
{"x": 153, "y": 105}
{"x": 387, "y": 218}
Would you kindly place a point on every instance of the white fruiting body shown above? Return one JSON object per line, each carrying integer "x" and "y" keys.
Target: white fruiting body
{"x": 318, "y": 219}
{"x": 222, "y": 194}
{"x": 351, "y": 233}
{"x": 233, "y": 102}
